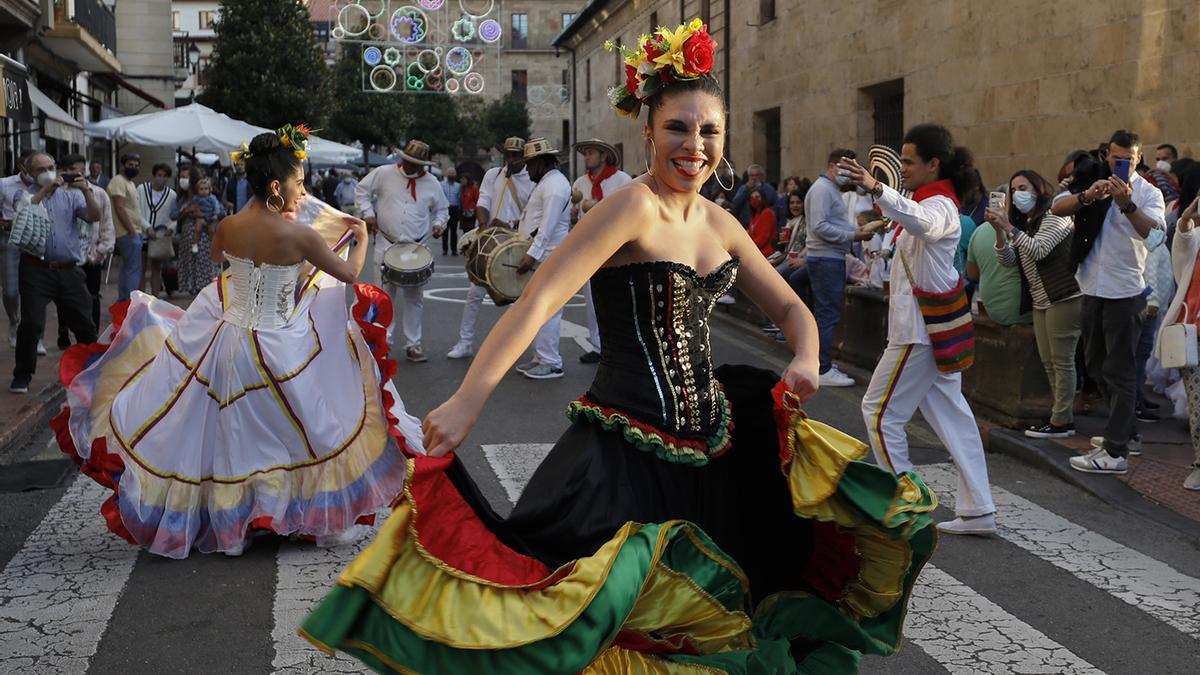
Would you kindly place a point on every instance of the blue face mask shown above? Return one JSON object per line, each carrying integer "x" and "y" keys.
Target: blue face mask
{"x": 1024, "y": 201}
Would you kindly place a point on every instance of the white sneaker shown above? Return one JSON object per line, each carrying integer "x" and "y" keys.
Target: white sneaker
{"x": 461, "y": 350}
{"x": 347, "y": 536}
{"x": 1099, "y": 461}
{"x": 1192, "y": 482}
{"x": 983, "y": 525}
{"x": 835, "y": 378}
{"x": 543, "y": 371}
{"x": 726, "y": 300}
{"x": 41, "y": 348}
{"x": 527, "y": 366}
{"x": 1134, "y": 445}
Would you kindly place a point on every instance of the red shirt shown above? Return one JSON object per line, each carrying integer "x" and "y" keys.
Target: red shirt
{"x": 763, "y": 231}
{"x": 469, "y": 197}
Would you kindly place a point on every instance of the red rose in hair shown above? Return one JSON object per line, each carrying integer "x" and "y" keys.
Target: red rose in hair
{"x": 654, "y": 49}
{"x": 631, "y": 82}
{"x": 698, "y": 52}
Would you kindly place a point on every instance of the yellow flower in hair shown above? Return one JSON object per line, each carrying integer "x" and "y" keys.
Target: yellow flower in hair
{"x": 286, "y": 140}
{"x": 674, "y": 54}
{"x": 240, "y": 155}
{"x": 302, "y": 155}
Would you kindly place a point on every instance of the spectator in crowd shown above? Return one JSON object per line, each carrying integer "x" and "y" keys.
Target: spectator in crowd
{"x": 763, "y": 228}
{"x": 344, "y": 194}
{"x": 1160, "y": 287}
{"x": 975, "y": 202}
{"x": 998, "y": 286}
{"x": 786, "y": 188}
{"x": 56, "y": 275}
{"x": 98, "y": 239}
{"x": 1185, "y": 308}
{"x": 198, "y": 215}
{"x": 756, "y": 176}
{"x": 127, "y": 219}
{"x": 329, "y": 186}
{"x": 793, "y": 267}
{"x": 1038, "y": 243}
{"x": 156, "y": 203}
{"x": 452, "y": 188}
{"x": 237, "y": 191}
{"x": 830, "y": 232}
{"x": 468, "y": 201}
{"x": 11, "y": 189}
{"x": 1111, "y": 276}
{"x": 1164, "y": 156}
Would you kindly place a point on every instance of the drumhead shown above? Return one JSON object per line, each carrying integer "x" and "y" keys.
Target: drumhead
{"x": 502, "y": 268}
{"x": 407, "y": 257}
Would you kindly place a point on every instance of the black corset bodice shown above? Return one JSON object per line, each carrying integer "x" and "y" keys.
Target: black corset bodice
{"x": 655, "y": 364}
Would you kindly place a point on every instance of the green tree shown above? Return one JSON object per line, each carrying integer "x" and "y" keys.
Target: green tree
{"x": 506, "y": 117}
{"x": 267, "y": 68}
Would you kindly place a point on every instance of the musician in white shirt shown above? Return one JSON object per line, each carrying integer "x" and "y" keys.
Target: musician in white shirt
{"x": 404, "y": 203}
{"x": 601, "y": 178}
{"x": 503, "y": 194}
{"x": 548, "y": 219}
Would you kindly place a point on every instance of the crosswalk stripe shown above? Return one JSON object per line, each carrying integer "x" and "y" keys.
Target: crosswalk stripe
{"x": 58, "y": 592}
{"x": 1139, "y": 580}
{"x": 514, "y": 464}
{"x": 967, "y": 633}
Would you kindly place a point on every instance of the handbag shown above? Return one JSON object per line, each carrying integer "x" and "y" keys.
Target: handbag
{"x": 947, "y": 317}
{"x": 161, "y": 247}
{"x": 1177, "y": 344}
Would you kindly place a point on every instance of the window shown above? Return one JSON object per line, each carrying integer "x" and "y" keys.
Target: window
{"x": 175, "y": 24}
{"x": 881, "y": 109}
{"x": 520, "y": 85}
{"x": 587, "y": 80}
{"x": 766, "y": 11}
{"x": 567, "y": 18}
{"x": 520, "y": 31}
{"x": 768, "y": 149}
{"x": 653, "y": 23}
{"x": 566, "y": 86}
{"x": 566, "y": 134}
{"x": 202, "y": 71}
{"x": 207, "y": 19}
{"x": 705, "y": 11}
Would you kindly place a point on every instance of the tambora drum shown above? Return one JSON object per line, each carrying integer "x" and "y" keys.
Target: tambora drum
{"x": 407, "y": 264}
{"x": 492, "y": 261}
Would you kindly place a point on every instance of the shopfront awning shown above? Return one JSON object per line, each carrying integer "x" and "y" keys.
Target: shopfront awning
{"x": 59, "y": 123}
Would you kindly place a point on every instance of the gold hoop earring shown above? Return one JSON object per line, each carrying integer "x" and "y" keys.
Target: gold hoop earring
{"x": 653, "y": 158}
{"x": 717, "y": 175}
{"x": 271, "y": 207}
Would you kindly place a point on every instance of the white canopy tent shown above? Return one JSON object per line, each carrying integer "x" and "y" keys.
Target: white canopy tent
{"x": 205, "y": 130}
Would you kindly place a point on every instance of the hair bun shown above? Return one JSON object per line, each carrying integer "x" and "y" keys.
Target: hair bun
{"x": 264, "y": 144}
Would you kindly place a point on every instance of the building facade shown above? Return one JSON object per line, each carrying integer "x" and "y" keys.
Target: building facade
{"x": 193, "y": 24}
{"x": 1020, "y": 83}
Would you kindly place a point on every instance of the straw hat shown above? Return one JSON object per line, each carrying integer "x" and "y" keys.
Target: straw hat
{"x": 416, "y": 152}
{"x": 512, "y": 144}
{"x": 597, "y": 144}
{"x": 884, "y": 164}
{"x": 536, "y": 147}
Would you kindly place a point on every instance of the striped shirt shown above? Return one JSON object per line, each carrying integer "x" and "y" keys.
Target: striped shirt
{"x": 1032, "y": 249}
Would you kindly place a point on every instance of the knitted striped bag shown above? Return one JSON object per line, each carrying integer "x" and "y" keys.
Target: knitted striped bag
{"x": 948, "y": 321}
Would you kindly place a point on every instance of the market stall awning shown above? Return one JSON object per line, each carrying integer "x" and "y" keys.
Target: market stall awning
{"x": 59, "y": 123}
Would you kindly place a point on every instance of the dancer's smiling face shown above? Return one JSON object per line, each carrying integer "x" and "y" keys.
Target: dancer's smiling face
{"x": 687, "y": 130}
{"x": 290, "y": 189}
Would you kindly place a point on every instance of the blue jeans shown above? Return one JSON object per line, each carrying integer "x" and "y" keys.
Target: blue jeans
{"x": 828, "y": 279}
{"x": 129, "y": 278}
{"x": 1144, "y": 348}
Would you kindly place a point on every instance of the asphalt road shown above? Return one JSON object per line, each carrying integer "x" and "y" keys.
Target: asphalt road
{"x": 1070, "y": 585}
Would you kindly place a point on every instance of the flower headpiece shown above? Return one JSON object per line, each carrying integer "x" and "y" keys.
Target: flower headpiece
{"x": 293, "y": 137}
{"x": 685, "y": 53}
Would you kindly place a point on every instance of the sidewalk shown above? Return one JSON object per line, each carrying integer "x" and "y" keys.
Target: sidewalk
{"x": 1152, "y": 488}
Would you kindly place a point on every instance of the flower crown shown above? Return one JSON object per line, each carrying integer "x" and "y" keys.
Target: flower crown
{"x": 660, "y": 59}
{"x": 294, "y": 137}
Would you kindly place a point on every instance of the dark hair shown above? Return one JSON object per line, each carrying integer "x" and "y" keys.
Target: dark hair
{"x": 269, "y": 160}
{"x": 1072, "y": 157}
{"x": 1174, "y": 150}
{"x": 161, "y": 167}
{"x": 954, "y": 162}
{"x": 1189, "y": 187}
{"x": 130, "y": 156}
{"x": 73, "y": 158}
{"x": 839, "y": 153}
{"x": 803, "y": 187}
{"x": 1125, "y": 138}
{"x": 798, "y": 195}
{"x": 1182, "y": 166}
{"x": 1045, "y": 195}
{"x": 705, "y": 83}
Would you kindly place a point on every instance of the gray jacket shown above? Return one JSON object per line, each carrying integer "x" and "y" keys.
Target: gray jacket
{"x": 830, "y": 229}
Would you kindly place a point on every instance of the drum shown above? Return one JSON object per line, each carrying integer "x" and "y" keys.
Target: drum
{"x": 407, "y": 264}
{"x": 492, "y": 262}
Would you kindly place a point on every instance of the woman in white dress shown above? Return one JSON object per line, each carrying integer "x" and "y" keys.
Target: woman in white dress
{"x": 263, "y": 407}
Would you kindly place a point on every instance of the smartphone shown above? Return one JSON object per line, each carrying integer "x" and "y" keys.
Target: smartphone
{"x": 1121, "y": 169}
{"x": 996, "y": 200}
{"x": 69, "y": 178}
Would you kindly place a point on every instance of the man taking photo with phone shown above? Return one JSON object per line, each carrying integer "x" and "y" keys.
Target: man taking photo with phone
{"x": 1111, "y": 276}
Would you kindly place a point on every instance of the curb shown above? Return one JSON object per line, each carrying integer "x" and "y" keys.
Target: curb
{"x": 34, "y": 417}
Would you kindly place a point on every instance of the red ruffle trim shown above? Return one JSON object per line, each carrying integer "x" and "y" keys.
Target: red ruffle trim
{"x": 373, "y": 313}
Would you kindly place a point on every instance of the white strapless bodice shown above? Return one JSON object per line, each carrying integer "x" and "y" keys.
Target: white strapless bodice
{"x": 260, "y": 296}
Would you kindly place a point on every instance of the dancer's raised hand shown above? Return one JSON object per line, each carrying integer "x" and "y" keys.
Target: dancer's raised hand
{"x": 447, "y": 425}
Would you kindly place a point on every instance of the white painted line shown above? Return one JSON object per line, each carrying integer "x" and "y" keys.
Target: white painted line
{"x": 967, "y": 633}
{"x": 514, "y": 464}
{"x": 58, "y": 592}
{"x": 305, "y": 574}
{"x": 1148, "y": 584}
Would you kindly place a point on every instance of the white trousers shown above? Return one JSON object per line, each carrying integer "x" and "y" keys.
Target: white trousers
{"x": 545, "y": 344}
{"x": 466, "y": 330}
{"x": 906, "y": 379}
{"x": 407, "y": 312}
{"x": 593, "y": 327}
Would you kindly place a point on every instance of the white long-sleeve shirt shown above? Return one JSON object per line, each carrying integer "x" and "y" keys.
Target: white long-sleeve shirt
{"x": 385, "y": 195}
{"x": 155, "y": 207}
{"x": 493, "y": 184}
{"x": 1116, "y": 266}
{"x": 927, "y": 244}
{"x": 103, "y": 234}
{"x": 607, "y": 186}
{"x": 548, "y": 214}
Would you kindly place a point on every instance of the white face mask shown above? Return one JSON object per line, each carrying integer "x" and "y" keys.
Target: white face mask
{"x": 1163, "y": 165}
{"x": 1024, "y": 201}
{"x": 184, "y": 183}
{"x": 47, "y": 178}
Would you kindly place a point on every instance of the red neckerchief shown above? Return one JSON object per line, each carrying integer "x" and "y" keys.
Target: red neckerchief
{"x": 606, "y": 172}
{"x": 943, "y": 187}
{"x": 412, "y": 182}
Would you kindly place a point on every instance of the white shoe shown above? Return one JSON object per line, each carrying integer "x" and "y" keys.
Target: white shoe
{"x": 41, "y": 348}
{"x": 835, "y": 378}
{"x": 982, "y": 525}
{"x": 543, "y": 371}
{"x": 726, "y": 300}
{"x": 527, "y": 366}
{"x": 1192, "y": 482}
{"x": 1099, "y": 461}
{"x": 347, "y": 536}
{"x": 461, "y": 350}
{"x": 1134, "y": 445}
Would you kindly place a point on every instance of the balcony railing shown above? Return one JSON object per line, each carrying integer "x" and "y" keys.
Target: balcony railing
{"x": 91, "y": 15}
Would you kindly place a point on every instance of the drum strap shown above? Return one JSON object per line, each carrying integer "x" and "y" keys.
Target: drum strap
{"x": 509, "y": 188}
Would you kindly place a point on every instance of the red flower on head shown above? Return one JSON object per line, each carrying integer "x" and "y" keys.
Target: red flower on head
{"x": 654, "y": 49}
{"x": 698, "y": 52}
{"x": 631, "y": 82}
{"x": 303, "y": 128}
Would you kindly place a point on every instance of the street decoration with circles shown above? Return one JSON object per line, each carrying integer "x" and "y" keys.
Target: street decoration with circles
{"x": 473, "y": 83}
{"x": 452, "y": 85}
{"x": 383, "y": 78}
{"x": 352, "y": 21}
{"x": 372, "y": 56}
{"x": 410, "y": 25}
{"x": 459, "y": 60}
{"x": 489, "y": 31}
{"x": 432, "y": 4}
{"x": 463, "y": 30}
{"x": 477, "y": 8}
{"x": 391, "y": 56}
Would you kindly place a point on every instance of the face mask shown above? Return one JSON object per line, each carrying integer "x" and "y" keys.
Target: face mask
{"x": 1163, "y": 165}
{"x": 184, "y": 183}
{"x": 756, "y": 202}
{"x": 842, "y": 180}
{"x": 346, "y": 180}
{"x": 130, "y": 173}
{"x": 1024, "y": 201}
{"x": 47, "y": 178}
{"x": 159, "y": 182}
{"x": 411, "y": 175}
